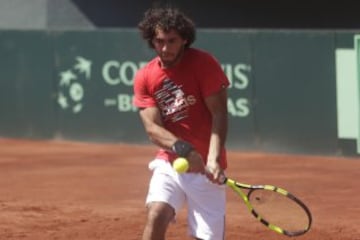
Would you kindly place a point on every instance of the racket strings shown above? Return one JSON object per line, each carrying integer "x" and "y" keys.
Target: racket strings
{"x": 279, "y": 210}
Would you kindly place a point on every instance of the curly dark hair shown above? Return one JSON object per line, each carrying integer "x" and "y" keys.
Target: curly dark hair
{"x": 167, "y": 19}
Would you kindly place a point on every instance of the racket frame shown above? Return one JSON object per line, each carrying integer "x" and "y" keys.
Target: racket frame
{"x": 237, "y": 187}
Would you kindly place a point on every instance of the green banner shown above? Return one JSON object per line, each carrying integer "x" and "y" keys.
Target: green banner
{"x": 94, "y": 78}
{"x": 291, "y": 91}
{"x": 27, "y": 106}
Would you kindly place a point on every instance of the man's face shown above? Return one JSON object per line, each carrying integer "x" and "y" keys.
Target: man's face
{"x": 169, "y": 46}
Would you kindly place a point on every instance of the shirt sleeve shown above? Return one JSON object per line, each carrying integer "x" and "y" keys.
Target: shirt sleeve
{"x": 142, "y": 97}
{"x": 212, "y": 77}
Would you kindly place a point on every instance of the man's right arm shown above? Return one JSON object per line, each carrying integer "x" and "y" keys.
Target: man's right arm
{"x": 163, "y": 138}
{"x": 151, "y": 119}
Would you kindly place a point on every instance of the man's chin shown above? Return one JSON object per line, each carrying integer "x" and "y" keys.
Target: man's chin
{"x": 167, "y": 59}
{"x": 167, "y": 62}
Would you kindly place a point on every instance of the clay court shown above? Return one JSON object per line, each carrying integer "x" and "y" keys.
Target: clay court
{"x": 85, "y": 191}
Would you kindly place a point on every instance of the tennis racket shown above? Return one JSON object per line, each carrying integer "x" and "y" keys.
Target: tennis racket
{"x": 274, "y": 207}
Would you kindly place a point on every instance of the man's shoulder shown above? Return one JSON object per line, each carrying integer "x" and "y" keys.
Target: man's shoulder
{"x": 150, "y": 65}
{"x": 152, "y": 62}
{"x": 146, "y": 72}
{"x": 199, "y": 54}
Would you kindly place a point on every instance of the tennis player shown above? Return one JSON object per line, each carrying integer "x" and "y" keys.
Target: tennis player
{"x": 182, "y": 99}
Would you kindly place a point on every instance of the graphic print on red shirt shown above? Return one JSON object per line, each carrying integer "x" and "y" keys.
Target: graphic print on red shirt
{"x": 172, "y": 102}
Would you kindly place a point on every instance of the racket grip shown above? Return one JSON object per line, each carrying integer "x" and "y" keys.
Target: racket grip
{"x": 222, "y": 179}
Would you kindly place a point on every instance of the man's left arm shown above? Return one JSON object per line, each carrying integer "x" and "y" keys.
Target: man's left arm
{"x": 217, "y": 105}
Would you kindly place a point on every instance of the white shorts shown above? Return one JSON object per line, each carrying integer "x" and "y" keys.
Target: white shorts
{"x": 205, "y": 200}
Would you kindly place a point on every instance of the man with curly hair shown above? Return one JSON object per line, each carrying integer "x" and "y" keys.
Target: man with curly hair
{"x": 182, "y": 99}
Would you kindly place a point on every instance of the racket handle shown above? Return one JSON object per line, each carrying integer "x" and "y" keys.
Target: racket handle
{"x": 223, "y": 179}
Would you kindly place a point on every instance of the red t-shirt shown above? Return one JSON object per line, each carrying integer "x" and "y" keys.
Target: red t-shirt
{"x": 179, "y": 93}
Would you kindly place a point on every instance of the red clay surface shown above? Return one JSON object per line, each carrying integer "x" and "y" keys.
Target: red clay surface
{"x": 83, "y": 191}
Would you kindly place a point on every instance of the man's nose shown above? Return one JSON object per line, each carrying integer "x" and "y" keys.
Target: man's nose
{"x": 165, "y": 47}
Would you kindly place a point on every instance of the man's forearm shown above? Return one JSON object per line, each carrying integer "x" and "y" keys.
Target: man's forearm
{"x": 218, "y": 137}
{"x": 161, "y": 137}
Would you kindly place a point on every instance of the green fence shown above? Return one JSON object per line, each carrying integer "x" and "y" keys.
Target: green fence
{"x": 286, "y": 95}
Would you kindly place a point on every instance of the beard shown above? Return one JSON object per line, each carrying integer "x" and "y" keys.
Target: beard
{"x": 169, "y": 59}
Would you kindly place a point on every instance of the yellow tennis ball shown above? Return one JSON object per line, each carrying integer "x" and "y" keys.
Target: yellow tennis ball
{"x": 181, "y": 165}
